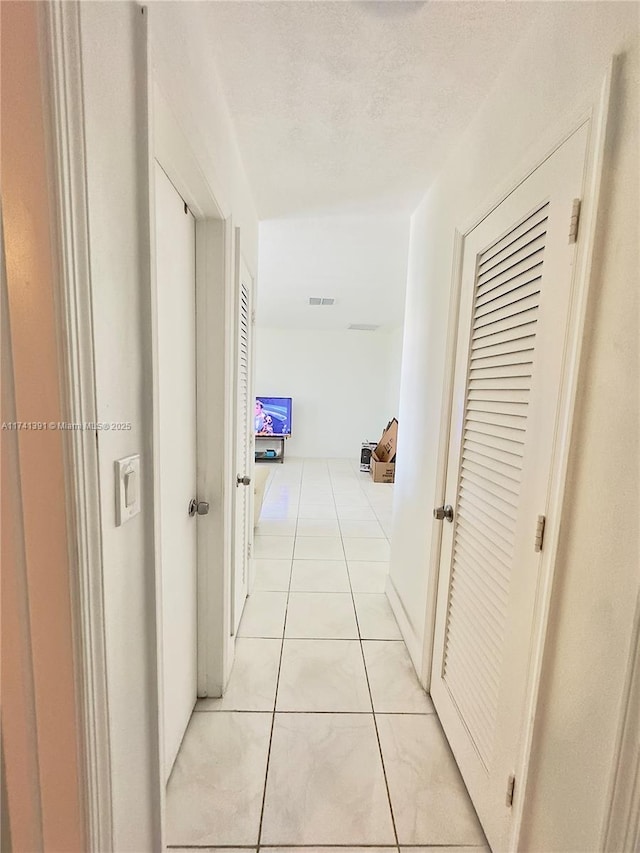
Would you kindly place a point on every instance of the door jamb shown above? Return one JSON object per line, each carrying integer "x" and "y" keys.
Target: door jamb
{"x": 621, "y": 830}
{"x": 61, "y": 58}
{"x": 239, "y": 466}
{"x": 214, "y": 345}
{"x": 597, "y": 113}
{"x": 250, "y": 430}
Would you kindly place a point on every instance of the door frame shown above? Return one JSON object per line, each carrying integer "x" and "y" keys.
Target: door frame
{"x": 239, "y": 262}
{"x": 596, "y": 113}
{"x": 621, "y": 830}
{"x": 215, "y": 347}
{"x": 62, "y": 64}
{"x": 250, "y": 429}
{"x": 215, "y": 341}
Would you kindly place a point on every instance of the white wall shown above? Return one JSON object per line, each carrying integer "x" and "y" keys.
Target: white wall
{"x": 114, "y": 72}
{"x": 185, "y": 72}
{"x": 344, "y": 386}
{"x": 360, "y": 261}
{"x": 394, "y": 369}
{"x": 566, "y": 54}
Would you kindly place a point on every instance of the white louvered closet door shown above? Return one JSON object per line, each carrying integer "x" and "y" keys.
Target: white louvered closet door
{"x": 244, "y": 449}
{"x": 514, "y": 311}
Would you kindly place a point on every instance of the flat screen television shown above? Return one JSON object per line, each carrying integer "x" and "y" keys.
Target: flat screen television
{"x": 273, "y": 416}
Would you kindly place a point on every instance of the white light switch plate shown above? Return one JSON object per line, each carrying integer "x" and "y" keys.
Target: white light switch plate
{"x": 128, "y": 488}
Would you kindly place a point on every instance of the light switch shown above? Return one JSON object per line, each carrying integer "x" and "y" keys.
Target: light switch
{"x": 130, "y": 488}
{"x": 127, "y": 488}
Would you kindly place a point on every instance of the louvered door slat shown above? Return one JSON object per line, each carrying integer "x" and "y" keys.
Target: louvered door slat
{"x": 516, "y": 338}
{"x": 475, "y": 582}
{"x": 510, "y": 278}
{"x": 496, "y": 561}
{"x": 483, "y": 542}
{"x": 507, "y": 306}
{"x": 530, "y": 272}
{"x": 529, "y": 254}
{"x": 492, "y": 585}
{"x": 502, "y": 526}
{"x": 476, "y": 562}
{"x": 509, "y": 394}
{"x": 488, "y": 630}
{"x": 484, "y": 435}
{"x": 509, "y": 484}
{"x": 503, "y": 507}
{"x": 534, "y": 223}
{"x": 510, "y": 376}
{"x": 490, "y": 451}
{"x": 502, "y": 350}
{"x": 511, "y": 346}
{"x": 505, "y": 424}
{"x": 481, "y": 683}
{"x": 476, "y": 522}
{"x": 490, "y": 462}
{"x": 485, "y": 465}
{"x": 524, "y": 247}
{"x": 466, "y": 676}
{"x": 484, "y": 670}
{"x": 512, "y": 323}
{"x": 529, "y": 281}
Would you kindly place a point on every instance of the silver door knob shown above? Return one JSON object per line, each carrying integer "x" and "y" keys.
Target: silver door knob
{"x": 243, "y": 481}
{"x": 200, "y": 507}
{"x": 443, "y": 512}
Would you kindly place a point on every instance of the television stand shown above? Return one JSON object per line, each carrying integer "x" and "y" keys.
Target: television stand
{"x": 265, "y": 443}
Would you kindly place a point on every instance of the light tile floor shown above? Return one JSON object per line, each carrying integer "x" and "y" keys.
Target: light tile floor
{"x": 324, "y": 738}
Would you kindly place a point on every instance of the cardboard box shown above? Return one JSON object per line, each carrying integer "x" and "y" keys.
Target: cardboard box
{"x": 382, "y": 472}
{"x": 383, "y": 458}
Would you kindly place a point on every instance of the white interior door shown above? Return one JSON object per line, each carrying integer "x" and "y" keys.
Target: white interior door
{"x": 517, "y": 276}
{"x": 175, "y": 275}
{"x": 244, "y": 447}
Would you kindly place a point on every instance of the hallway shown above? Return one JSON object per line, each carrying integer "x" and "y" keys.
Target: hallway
{"x": 324, "y": 736}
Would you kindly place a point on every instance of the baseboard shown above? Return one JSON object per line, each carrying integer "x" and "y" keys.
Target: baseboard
{"x": 412, "y": 640}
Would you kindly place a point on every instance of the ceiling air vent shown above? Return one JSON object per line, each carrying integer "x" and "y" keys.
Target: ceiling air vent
{"x": 363, "y": 327}
{"x": 321, "y": 300}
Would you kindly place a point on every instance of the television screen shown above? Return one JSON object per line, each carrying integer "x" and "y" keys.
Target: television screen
{"x": 273, "y": 416}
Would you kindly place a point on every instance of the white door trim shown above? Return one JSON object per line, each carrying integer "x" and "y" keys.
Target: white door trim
{"x": 621, "y": 829}
{"x": 251, "y": 435}
{"x": 215, "y": 339}
{"x": 240, "y": 469}
{"x": 597, "y": 114}
{"x": 62, "y": 63}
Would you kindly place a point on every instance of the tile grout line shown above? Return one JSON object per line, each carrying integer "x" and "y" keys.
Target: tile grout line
{"x": 379, "y": 713}
{"x": 275, "y": 698}
{"x": 471, "y": 848}
{"x": 366, "y": 675}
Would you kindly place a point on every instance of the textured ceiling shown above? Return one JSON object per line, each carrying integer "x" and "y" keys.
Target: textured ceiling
{"x": 351, "y": 107}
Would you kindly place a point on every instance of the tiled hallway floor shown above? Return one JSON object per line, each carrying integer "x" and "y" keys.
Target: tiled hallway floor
{"x": 324, "y": 736}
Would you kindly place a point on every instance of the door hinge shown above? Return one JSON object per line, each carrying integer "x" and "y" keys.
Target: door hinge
{"x": 511, "y": 786}
{"x": 249, "y": 550}
{"x": 574, "y": 222}
{"x": 253, "y": 316}
{"x": 540, "y": 524}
